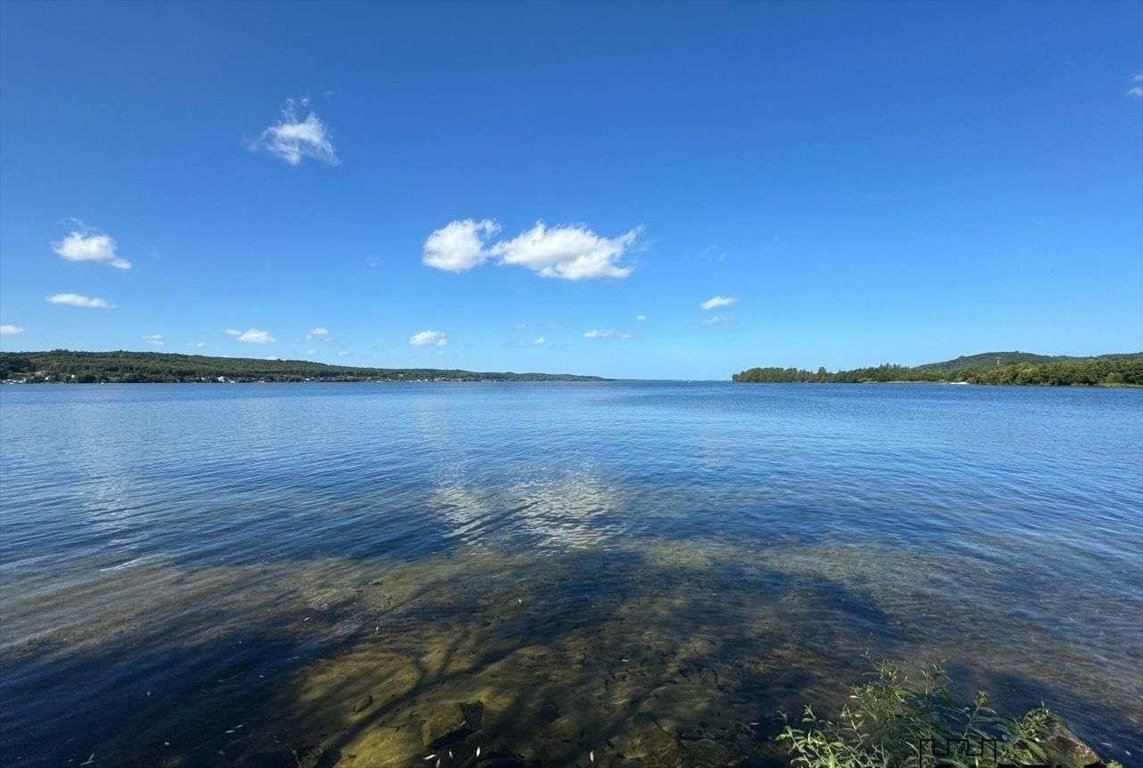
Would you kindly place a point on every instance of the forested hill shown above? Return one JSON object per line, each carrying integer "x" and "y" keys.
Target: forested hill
{"x": 988, "y": 368}
{"x": 61, "y": 365}
{"x": 993, "y": 359}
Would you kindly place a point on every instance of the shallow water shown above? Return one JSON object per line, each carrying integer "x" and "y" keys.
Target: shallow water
{"x": 639, "y": 571}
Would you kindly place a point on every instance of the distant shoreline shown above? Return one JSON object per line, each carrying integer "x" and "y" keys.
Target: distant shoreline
{"x": 551, "y": 379}
{"x": 62, "y": 366}
{"x": 955, "y": 384}
{"x": 995, "y": 368}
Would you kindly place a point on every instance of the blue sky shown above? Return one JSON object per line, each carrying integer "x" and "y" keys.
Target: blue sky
{"x": 562, "y": 187}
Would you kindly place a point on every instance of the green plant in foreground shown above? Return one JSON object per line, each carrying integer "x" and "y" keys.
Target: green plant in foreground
{"x": 893, "y": 722}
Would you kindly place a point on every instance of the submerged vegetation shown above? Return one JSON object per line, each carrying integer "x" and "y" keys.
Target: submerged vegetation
{"x": 894, "y": 722}
{"x": 989, "y": 368}
{"x": 62, "y": 365}
{"x": 658, "y": 656}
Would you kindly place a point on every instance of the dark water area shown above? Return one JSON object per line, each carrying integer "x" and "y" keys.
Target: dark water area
{"x": 619, "y": 573}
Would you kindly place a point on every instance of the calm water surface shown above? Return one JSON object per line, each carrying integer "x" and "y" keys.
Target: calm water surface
{"x": 220, "y": 574}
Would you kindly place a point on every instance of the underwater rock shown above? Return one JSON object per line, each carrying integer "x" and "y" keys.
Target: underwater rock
{"x": 549, "y": 712}
{"x": 1063, "y": 745}
{"x": 657, "y": 748}
{"x": 452, "y": 724}
{"x": 363, "y": 704}
{"x": 703, "y": 753}
{"x": 691, "y": 734}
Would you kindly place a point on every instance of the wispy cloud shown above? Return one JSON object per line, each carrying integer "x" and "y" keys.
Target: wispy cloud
{"x": 568, "y": 252}
{"x": 8, "y": 329}
{"x": 251, "y": 336}
{"x": 641, "y": 318}
{"x": 608, "y": 334}
{"x": 716, "y": 320}
{"x": 429, "y": 339}
{"x": 99, "y": 248}
{"x": 539, "y": 341}
{"x": 294, "y": 139}
{"x": 155, "y": 338}
{"x": 712, "y": 253}
{"x": 714, "y": 302}
{"x": 76, "y": 300}
{"x": 459, "y": 245}
{"x": 1137, "y": 89}
{"x": 318, "y": 333}
{"x": 197, "y": 344}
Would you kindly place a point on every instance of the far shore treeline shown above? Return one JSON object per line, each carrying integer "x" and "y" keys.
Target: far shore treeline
{"x": 61, "y": 365}
{"x": 989, "y": 368}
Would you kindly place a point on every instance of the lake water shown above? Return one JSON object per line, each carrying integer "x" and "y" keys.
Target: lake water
{"x": 217, "y": 574}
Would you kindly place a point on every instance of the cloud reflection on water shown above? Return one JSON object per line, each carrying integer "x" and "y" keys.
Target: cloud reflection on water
{"x": 569, "y": 512}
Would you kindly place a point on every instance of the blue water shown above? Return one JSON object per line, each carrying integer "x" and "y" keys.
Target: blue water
{"x": 147, "y": 529}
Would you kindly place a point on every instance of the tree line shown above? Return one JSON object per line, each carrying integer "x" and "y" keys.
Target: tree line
{"x": 1111, "y": 370}
{"x": 62, "y": 365}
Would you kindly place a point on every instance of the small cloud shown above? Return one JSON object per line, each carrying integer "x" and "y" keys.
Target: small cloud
{"x": 714, "y": 302}
{"x": 342, "y": 353}
{"x": 155, "y": 338}
{"x": 252, "y": 336}
{"x": 294, "y": 139}
{"x": 76, "y": 300}
{"x": 539, "y": 341}
{"x": 318, "y": 333}
{"x": 716, "y": 320}
{"x": 1137, "y": 89}
{"x": 609, "y": 334}
{"x": 197, "y": 344}
{"x": 641, "y": 318}
{"x": 429, "y": 339}
{"x": 459, "y": 245}
{"x": 11, "y": 330}
{"x": 94, "y": 247}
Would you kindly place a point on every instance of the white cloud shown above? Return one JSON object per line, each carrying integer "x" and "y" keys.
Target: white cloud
{"x": 251, "y": 336}
{"x": 539, "y": 341}
{"x": 98, "y": 248}
{"x": 75, "y": 300}
{"x": 571, "y": 252}
{"x": 197, "y": 344}
{"x": 429, "y": 339}
{"x": 11, "y": 330}
{"x": 714, "y": 320}
{"x": 293, "y": 140}
{"x": 155, "y": 338}
{"x": 342, "y": 353}
{"x": 641, "y": 318}
{"x": 1137, "y": 89}
{"x": 596, "y": 334}
{"x": 714, "y": 302}
{"x": 318, "y": 333}
{"x": 459, "y": 245}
